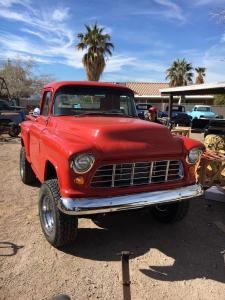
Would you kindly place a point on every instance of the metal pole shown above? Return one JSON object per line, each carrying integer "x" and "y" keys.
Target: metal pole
{"x": 170, "y": 106}
{"x": 126, "y": 274}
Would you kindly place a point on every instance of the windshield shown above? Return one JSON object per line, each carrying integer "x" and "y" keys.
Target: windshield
{"x": 78, "y": 101}
{"x": 203, "y": 108}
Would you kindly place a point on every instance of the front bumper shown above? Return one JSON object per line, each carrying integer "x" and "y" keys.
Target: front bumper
{"x": 91, "y": 206}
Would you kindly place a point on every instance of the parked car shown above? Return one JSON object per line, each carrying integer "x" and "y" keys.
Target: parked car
{"x": 202, "y": 111}
{"x": 10, "y": 118}
{"x": 142, "y": 109}
{"x": 179, "y": 116}
{"x": 94, "y": 156}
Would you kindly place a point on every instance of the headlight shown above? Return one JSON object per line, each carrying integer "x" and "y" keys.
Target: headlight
{"x": 82, "y": 163}
{"x": 193, "y": 155}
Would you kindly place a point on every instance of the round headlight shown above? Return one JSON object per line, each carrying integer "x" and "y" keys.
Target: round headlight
{"x": 82, "y": 163}
{"x": 194, "y": 155}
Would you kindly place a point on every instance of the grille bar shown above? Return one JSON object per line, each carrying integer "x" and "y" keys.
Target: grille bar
{"x": 139, "y": 173}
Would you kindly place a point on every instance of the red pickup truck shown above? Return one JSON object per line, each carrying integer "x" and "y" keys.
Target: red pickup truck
{"x": 94, "y": 156}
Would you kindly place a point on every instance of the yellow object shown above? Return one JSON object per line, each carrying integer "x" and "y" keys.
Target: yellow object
{"x": 185, "y": 131}
{"x": 79, "y": 180}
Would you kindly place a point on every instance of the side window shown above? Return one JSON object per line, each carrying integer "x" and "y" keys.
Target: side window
{"x": 45, "y": 103}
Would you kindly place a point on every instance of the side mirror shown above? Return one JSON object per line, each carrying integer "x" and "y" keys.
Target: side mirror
{"x": 36, "y": 112}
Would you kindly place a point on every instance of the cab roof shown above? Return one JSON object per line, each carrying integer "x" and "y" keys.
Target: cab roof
{"x": 57, "y": 84}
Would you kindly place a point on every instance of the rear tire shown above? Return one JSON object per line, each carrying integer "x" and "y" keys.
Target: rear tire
{"x": 172, "y": 212}
{"x": 26, "y": 173}
{"x": 14, "y": 130}
{"x": 58, "y": 228}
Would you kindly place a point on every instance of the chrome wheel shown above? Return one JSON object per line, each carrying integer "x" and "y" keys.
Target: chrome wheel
{"x": 21, "y": 168}
{"x": 47, "y": 214}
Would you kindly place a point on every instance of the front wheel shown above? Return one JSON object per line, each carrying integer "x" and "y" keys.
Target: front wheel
{"x": 58, "y": 228}
{"x": 26, "y": 172}
{"x": 172, "y": 212}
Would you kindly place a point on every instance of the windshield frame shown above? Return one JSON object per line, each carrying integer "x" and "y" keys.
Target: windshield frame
{"x": 96, "y": 89}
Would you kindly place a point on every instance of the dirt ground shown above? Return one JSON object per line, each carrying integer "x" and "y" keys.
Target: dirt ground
{"x": 179, "y": 261}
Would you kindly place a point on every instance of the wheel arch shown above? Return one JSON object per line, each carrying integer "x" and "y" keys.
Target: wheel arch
{"x": 50, "y": 171}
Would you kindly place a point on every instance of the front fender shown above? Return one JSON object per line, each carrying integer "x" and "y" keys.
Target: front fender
{"x": 191, "y": 143}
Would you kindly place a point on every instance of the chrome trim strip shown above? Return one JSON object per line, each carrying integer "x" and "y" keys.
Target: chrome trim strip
{"x": 150, "y": 172}
{"x": 89, "y": 206}
{"x": 167, "y": 170}
{"x": 113, "y": 175}
{"x": 132, "y": 174}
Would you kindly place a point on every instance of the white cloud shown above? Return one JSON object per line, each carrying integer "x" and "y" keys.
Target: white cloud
{"x": 167, "y": 10}
{"x": 213, "y": 59}
{"x": 207, "y": 2}
{"x": 223, "y": 38}
{"x": 52, "y": 39}
{"x": 117, "y": 62}
{"x": 173, "y": 10}
{"x": 8, "y": 3}
{"x": 60, "y": 14}
{"x": 54, "y": 42}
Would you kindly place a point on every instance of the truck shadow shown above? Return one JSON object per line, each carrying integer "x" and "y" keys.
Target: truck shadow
{"x": 195, "y": 244}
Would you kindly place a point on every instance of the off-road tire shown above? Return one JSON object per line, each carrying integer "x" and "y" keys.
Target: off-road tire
{"x": 14, "y": 130}
{"x": 171, "y": 213}
{"x": 26, "y": 173}
{"x": 65, "y": 227}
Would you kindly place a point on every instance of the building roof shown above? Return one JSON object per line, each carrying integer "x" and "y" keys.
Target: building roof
{"x": 195, "y": 89}
{"x": 146, "y": 88}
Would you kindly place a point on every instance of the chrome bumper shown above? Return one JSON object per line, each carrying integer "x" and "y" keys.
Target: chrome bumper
{"x": 73, "y": 206}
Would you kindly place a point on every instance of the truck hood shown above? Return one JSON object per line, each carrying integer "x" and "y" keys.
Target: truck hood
{"x": 116, "y": 137}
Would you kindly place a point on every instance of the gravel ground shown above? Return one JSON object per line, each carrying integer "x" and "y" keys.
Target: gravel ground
{"x": 179, "y": 261}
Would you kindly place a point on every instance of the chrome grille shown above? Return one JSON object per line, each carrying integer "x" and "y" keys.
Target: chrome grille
{"x": 140, "y": 173}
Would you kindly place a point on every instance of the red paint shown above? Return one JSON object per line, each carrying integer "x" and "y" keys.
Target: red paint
{"x": 111, "y": 140}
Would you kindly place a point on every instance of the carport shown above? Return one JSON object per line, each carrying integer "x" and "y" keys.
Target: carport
{"x": 191, "y": 90}
{"x": 208, "y": 159}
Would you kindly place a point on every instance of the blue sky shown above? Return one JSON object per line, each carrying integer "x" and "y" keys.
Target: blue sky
{"x": 148, "y": 35}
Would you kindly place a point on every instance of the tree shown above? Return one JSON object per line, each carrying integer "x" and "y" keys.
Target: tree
{"x": 219, "y": 99}
{"x": 17, "y": 75}
{"x": 98, "y": 47}
{"x": 220, "y": 15}
{"x": 200, "y": 75}
{"x": 20, "y": 78}
{"x": 179, "y": 73}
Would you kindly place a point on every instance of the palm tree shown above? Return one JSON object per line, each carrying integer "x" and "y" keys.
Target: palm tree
{"x": 98, "y": 47}
{"x": 179, "y": 73}
{"x": 200, "y": 75}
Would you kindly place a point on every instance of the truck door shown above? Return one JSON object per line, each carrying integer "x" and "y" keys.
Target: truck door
{"x": 38, "y": 126}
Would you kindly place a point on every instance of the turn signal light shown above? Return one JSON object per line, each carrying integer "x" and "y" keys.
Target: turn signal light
{"x": 79, "y": 180}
